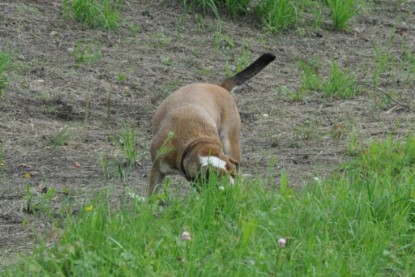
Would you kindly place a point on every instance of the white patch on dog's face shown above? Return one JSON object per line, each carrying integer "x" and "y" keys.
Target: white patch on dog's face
{"x": 213, "y": 161}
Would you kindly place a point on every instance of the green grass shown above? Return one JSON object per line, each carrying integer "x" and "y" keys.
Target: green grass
{"x": 383, "y": 59}
{"x": 360, "y": 222}
{"x": 93, "y": 13}
{"x": 407, "y": 60}
{"x": 61, "y": 138}
{"x": 1, "y": 155}
{"x": 338, "y": 83}
{"x": 5, "y": 60}
{"x": 277, "y": 15}
{"x": 84, "y": 54}
{"x": 128, "y": 156}
{"x": 341, "y": 11}
{"x": 232, "y": 7}
{"x": 309, "y": 75}
{"x": 241, "y": 59}
{"x": 205, "y": 6}
{"x": 127, "y": 143}
{"x": 235, "y": 7}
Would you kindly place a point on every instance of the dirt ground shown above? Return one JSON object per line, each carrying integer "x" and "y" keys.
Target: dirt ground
{"x": 58, "y": 116}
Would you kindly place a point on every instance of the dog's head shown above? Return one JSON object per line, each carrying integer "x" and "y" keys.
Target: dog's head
{"x": 221, "y": 166}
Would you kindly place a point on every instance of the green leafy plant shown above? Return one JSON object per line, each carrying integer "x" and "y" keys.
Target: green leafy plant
{"x": 232, "y": 7}
{"x": 382, "y": 60}
{"x": 222, "y": 40}
{"x": 340, "y": 83}
{"x": 4, "y": 66}
{"x": 165, "y": 148}
{"x": 204, "y": 5}
{"x": 61, "y": 138}
{"x": 36, "y": 203}
{"x": 93, "y": 13}
{"x": 128, "y": 144}
{"x": 342, "y": 11}
{"x": 166, "y": 60}
{"x": 1, "y": 155}
{"x": 241, "y": 60}
{"x": 408, "y": 59}
{"x": 310, "y": 76}
{"x": 84, "y": 54}
{"x": 235, "y": 7}
{"x": 277, "y": 15}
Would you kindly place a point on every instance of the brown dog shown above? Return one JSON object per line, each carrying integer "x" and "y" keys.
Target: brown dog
{"x": 198, "y": 127}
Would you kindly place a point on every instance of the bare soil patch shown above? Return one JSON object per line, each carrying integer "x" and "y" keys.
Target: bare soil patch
{"x": 50, "y": 94}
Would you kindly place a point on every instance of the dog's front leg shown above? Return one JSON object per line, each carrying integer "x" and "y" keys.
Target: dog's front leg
{"x": 156, "y": 178}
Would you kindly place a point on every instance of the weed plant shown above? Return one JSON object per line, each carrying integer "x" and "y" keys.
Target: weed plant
{"x": 339, "y": 83}
{"x": 407, "y": 60}
{"x": 93, "y": 13}
{"x": 204, "y": 5}
{"x": 232, "y": 7}
{"x": 235, "y": 7}
{"x": 342, "y": 11}
{"x": 85, "y": 55}
{"x": 310, "y": 76}
{"x": 241, "y": 60}
{"x": 127, "y": 144}
{"x": 357, "y": 223}
{"x": 277, "y": 15}
{"x": 382, "y": 60}
{"x": 4, "y": 65}
{"x": 61, "y": 138}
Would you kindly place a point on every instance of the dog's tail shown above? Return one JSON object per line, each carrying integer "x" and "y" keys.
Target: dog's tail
{"x": 249, "y": 72}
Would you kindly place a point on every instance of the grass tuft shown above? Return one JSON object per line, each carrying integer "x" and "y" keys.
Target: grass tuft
{"x": 127, "y": 143}
{"x": 232, "y": 7}
{"x": 84, "y": 54}
{"x": 339, "y": 83}
{"x": 94, "y": 14}
{"x": 4, "y": 65}
{"x": 61, "y": 138}
{"x": 235, "y": 7}
{"x": 342, "y": 11}
{"x": 277, "y": 15}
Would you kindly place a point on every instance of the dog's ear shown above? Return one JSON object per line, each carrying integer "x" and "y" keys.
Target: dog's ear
{"x": 232, "y": 166}
{"x": 236, "y": 164}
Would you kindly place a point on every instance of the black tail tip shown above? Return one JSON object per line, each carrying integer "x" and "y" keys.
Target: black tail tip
{"x": 268, "y": 57}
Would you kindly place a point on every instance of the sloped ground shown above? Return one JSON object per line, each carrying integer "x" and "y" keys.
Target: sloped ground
{"x": 159, "y": 48}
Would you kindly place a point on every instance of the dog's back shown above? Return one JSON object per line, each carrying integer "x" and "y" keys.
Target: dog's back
{"x": 199, "y": 125}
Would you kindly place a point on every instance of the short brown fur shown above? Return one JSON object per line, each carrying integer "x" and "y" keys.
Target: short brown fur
{"x": 205, "y": 112}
